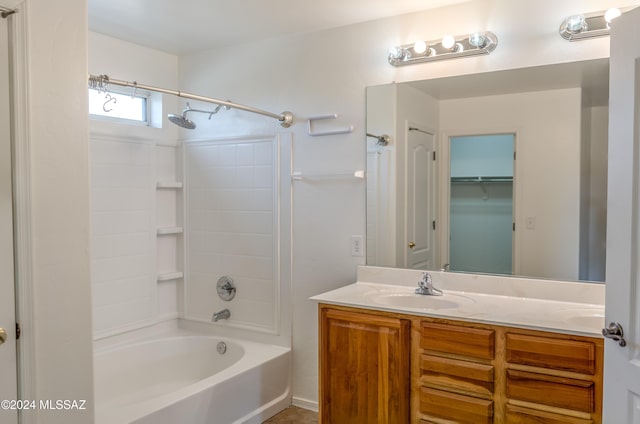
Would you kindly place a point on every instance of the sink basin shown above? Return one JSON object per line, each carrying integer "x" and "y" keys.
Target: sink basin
{"x": 417, "y": 301}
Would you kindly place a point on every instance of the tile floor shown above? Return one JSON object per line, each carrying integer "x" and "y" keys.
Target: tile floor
{"x": 294, "y": 415}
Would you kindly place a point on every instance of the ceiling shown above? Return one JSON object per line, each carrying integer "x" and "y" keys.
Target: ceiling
{"x": 185, "y": 26}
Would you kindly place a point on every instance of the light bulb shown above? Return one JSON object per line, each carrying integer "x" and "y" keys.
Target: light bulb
{"x": 576, "y": 23}
{"x": 448, "y": 42}
{"x": 477, "y": 39}
{"x": 420, "y": 47}
{"x": 611, "y": 14}
{"x": 396, "y": 52}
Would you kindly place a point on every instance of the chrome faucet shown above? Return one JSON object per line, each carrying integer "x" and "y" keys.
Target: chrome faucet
{"x": 445, "y": 268}
{"x": 425, "y": 286}
{"x": 223, "y": 314}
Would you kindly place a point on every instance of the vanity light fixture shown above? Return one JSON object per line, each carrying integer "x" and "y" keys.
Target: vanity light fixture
{"x": 449, "y": 47}
{"x": 589, "y": 25}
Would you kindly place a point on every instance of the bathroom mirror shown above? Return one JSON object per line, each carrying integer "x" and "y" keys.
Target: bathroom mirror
{"x": 420, "y": 193}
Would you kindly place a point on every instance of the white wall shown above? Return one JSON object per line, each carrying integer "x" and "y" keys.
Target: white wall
{"x": 327, "y": 72}
{"x": 598, "y": 192}
{"x": 381, "y": 217}
{"x": 58, "y": 327}
{"x": 126, "y": 162}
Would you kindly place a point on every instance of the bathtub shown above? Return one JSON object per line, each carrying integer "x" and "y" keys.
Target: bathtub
{"x": 180, "y": 377}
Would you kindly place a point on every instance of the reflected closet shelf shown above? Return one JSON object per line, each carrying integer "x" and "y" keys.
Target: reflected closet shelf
{"x": 481, "y": 179}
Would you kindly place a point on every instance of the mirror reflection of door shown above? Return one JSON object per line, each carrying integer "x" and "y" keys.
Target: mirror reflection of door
{"x": 481, "y": 203}
{"x": 421, "y": 191}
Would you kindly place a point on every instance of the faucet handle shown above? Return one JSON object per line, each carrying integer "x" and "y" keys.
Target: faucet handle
{"x": 426, "y": 280}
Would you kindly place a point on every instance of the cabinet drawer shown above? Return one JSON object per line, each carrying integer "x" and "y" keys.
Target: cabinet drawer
{"x": 553, "y": 353}
{"x": 561, "y": 392}
{"x": 457, "y": 340}
{"x": 458, "y": 408}
{"x": 520, "y": 415}
{"x": 458, "y": 375}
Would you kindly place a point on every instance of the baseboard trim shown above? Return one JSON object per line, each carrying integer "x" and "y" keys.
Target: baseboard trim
{"x": 311, "y": 405}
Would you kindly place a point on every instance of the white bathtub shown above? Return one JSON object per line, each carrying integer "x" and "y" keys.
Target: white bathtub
{"x": 179, "y": 377}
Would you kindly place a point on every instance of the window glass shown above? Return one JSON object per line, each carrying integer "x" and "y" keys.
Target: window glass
{"x": 118, "y": 105}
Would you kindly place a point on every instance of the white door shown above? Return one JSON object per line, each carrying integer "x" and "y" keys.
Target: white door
{"x": 622, "y": 364}
{"x": 8, "y": 379}
{"x": 420, "y": 196}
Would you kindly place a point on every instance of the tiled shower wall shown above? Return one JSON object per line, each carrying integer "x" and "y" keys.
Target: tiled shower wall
{"x": 135, "y": 265}
{"x": 232, "y": 230}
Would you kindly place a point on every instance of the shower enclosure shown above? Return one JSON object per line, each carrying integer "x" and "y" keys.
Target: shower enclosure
{"x": 170, "y": 217}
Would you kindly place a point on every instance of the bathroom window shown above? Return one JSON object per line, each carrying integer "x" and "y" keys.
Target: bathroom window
{"x": 119, "y": 106}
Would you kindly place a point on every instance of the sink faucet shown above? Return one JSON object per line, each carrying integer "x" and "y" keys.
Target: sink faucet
{"x": 223, "y": 314}
{"x": 425, "y": 286}
{"x": 445, "y": 268}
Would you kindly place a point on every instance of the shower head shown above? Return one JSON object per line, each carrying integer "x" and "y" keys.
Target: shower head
{"x": 181, "y": 120}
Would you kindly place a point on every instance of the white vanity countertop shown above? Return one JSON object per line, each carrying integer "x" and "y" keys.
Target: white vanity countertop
{"x": 463, "y": 300}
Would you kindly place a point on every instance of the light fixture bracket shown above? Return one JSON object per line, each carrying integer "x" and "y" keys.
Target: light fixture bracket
{"x": 406, "y": 55}
{"x": 595, "y": 25}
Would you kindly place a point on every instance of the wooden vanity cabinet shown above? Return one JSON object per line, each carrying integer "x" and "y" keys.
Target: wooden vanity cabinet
{"x": 364, "y": 367}
{"x": 499, "y": 374}
{"x": 456, "y": 371}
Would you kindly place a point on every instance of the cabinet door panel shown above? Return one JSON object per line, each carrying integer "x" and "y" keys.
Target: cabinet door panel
{"x": 561, "y": 392}
{"x": 365, "y": 374}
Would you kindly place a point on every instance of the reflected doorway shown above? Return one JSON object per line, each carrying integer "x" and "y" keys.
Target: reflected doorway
{"x": 481, "y": 206}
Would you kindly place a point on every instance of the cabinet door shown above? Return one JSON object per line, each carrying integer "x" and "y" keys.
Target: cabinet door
{"x": 364, "y": 368}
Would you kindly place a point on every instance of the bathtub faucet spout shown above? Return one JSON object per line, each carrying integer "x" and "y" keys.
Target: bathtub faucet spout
{"x": 223, "y": 314}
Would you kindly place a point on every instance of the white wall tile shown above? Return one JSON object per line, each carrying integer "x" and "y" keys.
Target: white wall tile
{"x": 123, "y": 265}
{"x": 166, "y": 254}
{"x": 231, "y": 231}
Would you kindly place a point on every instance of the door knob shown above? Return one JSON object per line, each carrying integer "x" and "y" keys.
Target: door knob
{"x": 3, "y": 335}
{"x": 411, "y": 245}
{"x": 614, "y": 332}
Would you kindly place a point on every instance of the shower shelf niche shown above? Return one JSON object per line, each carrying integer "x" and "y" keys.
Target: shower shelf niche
{"x": 175, "y": 185}
{"x": 170, "y": 276}
{"x": 169, "y": 230}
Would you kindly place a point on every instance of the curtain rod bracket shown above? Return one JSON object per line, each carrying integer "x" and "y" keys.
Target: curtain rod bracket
{"x": 287, "y": 119}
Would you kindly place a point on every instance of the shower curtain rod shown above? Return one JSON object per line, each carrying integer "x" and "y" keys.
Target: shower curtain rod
{"x": 101, "y": 82}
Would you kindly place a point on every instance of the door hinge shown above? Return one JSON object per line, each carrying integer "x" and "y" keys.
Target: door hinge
{"x": 18, "y": 331}
{"x": 434, "y": 155}
{"x": 514, "y": 155}
{"x": 433, "y": 224}
{"x": 514, "y": 226}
